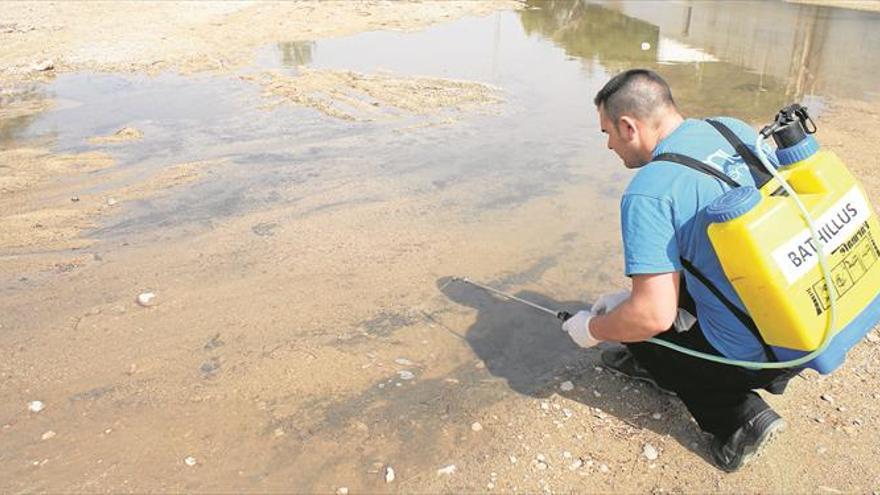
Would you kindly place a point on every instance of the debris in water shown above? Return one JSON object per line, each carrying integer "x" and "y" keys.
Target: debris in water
{"x": 389, "y": 474}
{"x": 650, "y": 452}
{"x": 190, "y": 461}
{"x": 145, "y": 299}
{"x": 446, "y": 470}
{"x": 566, "y": 386}
{"x": 36, "y": 406}
{"x": 49, "y": 434}
{"x": 476, "y": 426}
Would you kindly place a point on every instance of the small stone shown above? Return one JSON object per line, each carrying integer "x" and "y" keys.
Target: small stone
{"x": 575, "y": 465}
{"x": 490, "y": 485}
{"x": 821, "y": 450}
{"x": 108, "y": 431}
{"x": 603, "y": 468}
{"x": 567, "y": 413}
{"x": 111, "y": 201}
{"x": 406, "y": 375}
{"x": 540, "y": 458}
{"x": 389, "y": 474}
{"x": 596, "y": 393}
{"x": 819, "y": 420}
{"x": 279, "y": 432}
{"x": 43, "y": 66}
{"x": 49, "y": 434}
{"x": 827, "y": 398}
{"x": 566, "y": 455}
{"x": 656, "y": 416}
{"x": 190, "y": 461}
{"x": 36, "y": 406}
{"x": 448, "y": 470}
{"x": 541, "y": 466}
{"x": 650, "y": 452}
{"x": 476, "y": 426}
{"x": 145, "y": 299}
{"x": 566, "y": 386}
{"x": 513, "y": 459}
{"x": 342, "y": 490}
{"x": 403, "y": 362}
{"x": 74, "y": 199}
{"x": 545, "y": 406}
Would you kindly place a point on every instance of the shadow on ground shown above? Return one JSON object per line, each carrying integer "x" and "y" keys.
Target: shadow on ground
{"x": 528, "y": 349}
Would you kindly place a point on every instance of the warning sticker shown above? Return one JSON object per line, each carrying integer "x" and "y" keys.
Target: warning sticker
{"x": 799, "y": 255}
{"x": 860, "y": 254}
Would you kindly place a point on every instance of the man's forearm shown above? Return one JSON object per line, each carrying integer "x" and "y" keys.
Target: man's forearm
{"x": 630, "y": 322}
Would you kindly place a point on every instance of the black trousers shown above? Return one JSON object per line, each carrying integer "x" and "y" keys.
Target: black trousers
{"x": 720, "y": 397}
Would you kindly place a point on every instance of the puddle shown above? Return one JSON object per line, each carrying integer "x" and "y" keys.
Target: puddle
{"x": 291, "y": 167}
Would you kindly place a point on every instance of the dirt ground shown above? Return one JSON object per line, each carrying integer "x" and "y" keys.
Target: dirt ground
{"x": 310, "y": 347}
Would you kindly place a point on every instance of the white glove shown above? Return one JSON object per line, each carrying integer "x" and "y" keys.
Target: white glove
{"x": 607, "y": 302}
{"x": 578, "y": 328}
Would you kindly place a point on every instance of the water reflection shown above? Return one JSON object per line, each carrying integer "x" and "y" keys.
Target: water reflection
{"x": 296, "y": 53}
{"x": 19, "y": 107}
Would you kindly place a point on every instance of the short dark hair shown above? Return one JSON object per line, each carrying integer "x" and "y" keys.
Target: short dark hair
{"x": 638, "y": 92}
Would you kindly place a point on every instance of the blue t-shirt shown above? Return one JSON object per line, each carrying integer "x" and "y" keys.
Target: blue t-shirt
{"x": 663, "y": 219}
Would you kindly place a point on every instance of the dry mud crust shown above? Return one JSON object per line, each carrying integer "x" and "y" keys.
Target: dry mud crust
{"x": 195, "y": 36}
{"x": 350, "y": 95}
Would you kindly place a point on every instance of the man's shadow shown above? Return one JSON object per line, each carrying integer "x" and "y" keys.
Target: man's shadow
{"x": 528, "y": 349}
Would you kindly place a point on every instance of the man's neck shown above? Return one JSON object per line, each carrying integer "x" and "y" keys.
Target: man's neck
{"x": 668, "y": 125}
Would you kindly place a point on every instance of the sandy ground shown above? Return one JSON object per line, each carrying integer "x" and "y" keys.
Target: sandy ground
{"x": 312, "y": 347}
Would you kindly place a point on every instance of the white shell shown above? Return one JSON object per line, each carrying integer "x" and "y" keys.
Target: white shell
{"x": 36, "y": 406}
{"x": 145, "y": 299}
{"x": 190, "y": 461}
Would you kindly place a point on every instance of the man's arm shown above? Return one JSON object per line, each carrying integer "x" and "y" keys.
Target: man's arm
{"x": 650, "y": 310}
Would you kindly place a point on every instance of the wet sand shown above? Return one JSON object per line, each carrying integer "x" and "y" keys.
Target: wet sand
{"x": 312, "y": 343}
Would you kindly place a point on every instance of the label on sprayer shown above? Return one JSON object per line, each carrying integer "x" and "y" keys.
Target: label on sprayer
{"x": 798, "y": 255}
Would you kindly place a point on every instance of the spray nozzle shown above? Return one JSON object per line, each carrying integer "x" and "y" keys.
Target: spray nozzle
{"x": 791, "y": 125}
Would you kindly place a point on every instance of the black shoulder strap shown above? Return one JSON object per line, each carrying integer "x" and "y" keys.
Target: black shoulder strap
{"x": 696, "y": 165}
{"x": 759, "y": 173}
{"x": 741, "y": 315}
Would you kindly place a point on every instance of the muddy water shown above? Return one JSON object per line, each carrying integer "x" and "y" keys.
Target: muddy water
{"x": 309, "y": 268}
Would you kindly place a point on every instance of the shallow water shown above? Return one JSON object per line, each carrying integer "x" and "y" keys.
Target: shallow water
{"x": 350, "y": 229}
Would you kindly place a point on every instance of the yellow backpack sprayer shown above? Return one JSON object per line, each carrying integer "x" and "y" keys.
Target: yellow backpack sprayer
{"x": 807, "y": 228}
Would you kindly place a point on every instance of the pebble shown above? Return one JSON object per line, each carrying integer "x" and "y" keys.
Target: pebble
{"x": 603, "y": 468}
{"x": 279, "y": 432}
{"x": 596, "y": 393}
{"x": 342, "y": 490}
{"x": 650, "y": 452}
{"x": 190, "y": 461}
{"x": 540, "y": 458}
{"x": 389, "y": 474}
{"x": 576, "y": 464}
{"x": 873, "y": 338}
{"x": 406, "y": 374}
{"x": 513, "y": 459}
{"x": 145, "y": 299}
{"x": 49, "y": 434}
{"x": 545, "y": 406}
{"x": 541, "y": 466}
{"x": 490, "y": 485}
{"x": 566, "y": 455}
{"x": 827, "y": 398}
{"x": 36, "y": 406}
{"x": 403, "y": 362}
{"x": 111, "y": 201}
{"x": 43, "y": 66}
{"x": 476, "y": 426}
{"x": 567, "y": 413}
{"x": 74, "y": 199}
{"x": 566, "y": 386}
{"x": 656, "y": 416}
{"x": 446, "y": 470}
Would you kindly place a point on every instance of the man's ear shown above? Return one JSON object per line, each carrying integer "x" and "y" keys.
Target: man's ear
{"x": 627, "y": 127}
